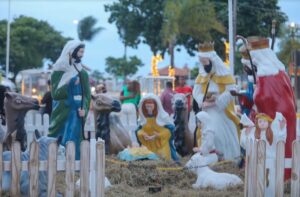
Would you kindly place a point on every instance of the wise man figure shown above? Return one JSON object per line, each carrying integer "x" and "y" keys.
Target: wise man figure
{"x": 273, "y": 92}
{"x": 212, "y": 91}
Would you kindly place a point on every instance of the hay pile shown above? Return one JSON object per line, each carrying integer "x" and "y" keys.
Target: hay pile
{"x": 135, "y": 179}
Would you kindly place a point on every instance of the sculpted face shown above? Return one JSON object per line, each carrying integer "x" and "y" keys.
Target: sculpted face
{"x": 207, "y": 64}
{"x": 20, "y": 102}
{"x": 262, "y": 124}
{"x": 80, "y": 53}
{"x": 199, "y": 123}
{"x": 149, "y": 108}
{"x": 179, "y": 101}
{"x": 104, "y": 102}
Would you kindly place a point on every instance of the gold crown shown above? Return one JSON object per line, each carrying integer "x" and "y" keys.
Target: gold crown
{"x": 206, "y": 47}
{"x": 256, "y": 42}
{"x": 244, "y": 53}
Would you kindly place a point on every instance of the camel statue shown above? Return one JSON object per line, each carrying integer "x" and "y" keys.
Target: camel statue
{"x": 16, "y": 106}
{"x": 184, "y": 139}
{"x": 109, "y": 126}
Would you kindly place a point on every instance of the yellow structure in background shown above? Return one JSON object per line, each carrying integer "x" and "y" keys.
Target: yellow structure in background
{"x": 226, "y": 62}
{"x": 154, "y": 71}
{"x": 154, "y": 62}
{"x": 172, "y": 74}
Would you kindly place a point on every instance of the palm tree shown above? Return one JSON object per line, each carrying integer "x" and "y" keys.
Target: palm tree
{"x": 195, "y": 18}
{"x": 290, "y": 41}
{"x": 86, "y": 28}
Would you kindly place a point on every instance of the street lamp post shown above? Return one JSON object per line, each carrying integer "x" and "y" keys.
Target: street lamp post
{"x": 7, "y": 41}
{"x": 232, "y": 32}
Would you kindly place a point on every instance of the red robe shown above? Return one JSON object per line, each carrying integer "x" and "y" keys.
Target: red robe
{"x": 275, "y": 94}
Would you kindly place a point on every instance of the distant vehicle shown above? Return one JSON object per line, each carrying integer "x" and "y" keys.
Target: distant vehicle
{"x": 154, "y": 85}
{"x": 33, "y": 82}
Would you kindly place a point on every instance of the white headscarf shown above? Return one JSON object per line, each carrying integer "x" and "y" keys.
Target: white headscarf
{"x": 218, "y": 65}
{"x": 162, "y": 117}
{"x": 246, "y": 121}
{"x": 266, "y": 61}
{"x": 205, "y": 121}
{"x": 63, "y": 64}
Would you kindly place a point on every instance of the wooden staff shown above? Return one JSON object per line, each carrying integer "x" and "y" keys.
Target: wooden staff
{"x": 273, "y": 33}
{"x": 248, "y": 53}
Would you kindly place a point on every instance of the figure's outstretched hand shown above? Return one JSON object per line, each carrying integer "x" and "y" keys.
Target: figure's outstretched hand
{"x": 81, "y": 112}
{"x": 212, "y": 98}
{"x": 207, "y": 104}
{"x": 234, "y": 93}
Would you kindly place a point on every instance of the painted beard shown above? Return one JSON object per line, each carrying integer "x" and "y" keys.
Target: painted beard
{"x": 77, "y": 59}
{"x": 208, "y": 67}
{"x": 75, "y": 56}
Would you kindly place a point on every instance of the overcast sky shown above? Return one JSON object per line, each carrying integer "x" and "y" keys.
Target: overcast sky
{"x": 61, "y": 14}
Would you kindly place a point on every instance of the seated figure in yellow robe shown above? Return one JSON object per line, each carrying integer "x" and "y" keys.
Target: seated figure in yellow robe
{"x": 156, "y": 129}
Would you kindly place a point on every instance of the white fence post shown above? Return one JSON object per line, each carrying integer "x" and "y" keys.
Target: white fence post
{"x": 100, "y": 169}
{"x": 15, "y": 169}
{"x": 279, "y": 175}
{"x": 261, "y": 168}
{"x": 29, "y": 125}
{"x": 34, "y": 169}
{"x": 84, "y": 168}
{"x": 295, "y": 181}
{"x": 93, "y": 164}
{"x": 52, "y": 169}
{"x": 70, "y": 169}
{"x": 247, "y": 162}
{"x": 45, "y": 124}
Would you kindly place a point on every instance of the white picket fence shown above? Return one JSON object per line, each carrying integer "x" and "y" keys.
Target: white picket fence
{"x": 34, "y": 120}
{"x": 52, "y": 165}
{"x": 255, "y": 171}
{"x": 93, "y": 152}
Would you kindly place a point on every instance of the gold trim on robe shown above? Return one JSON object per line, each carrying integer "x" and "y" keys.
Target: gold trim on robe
{"x": 221, "y": 81}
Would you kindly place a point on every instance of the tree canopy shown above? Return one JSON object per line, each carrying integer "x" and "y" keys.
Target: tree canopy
{"x": 121, "y": 67}
{"x": 97, "y": 75}
{"x": 189, "y": 21}
{"x": 86, "y": 28}
{"x": 290, "y": 41}
{"x": 138, "y": 21}
{"x": 31, "y": 42}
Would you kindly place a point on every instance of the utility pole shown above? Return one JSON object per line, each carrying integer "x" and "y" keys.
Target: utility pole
{"x": 231, "y": 32}
{"x": 7, "y": 41}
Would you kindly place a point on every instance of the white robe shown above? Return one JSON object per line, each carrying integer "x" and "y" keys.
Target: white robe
{"x": 208, "y": 144}
{"x": 226, "y": 138}
{"x": 247, "y": 137}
